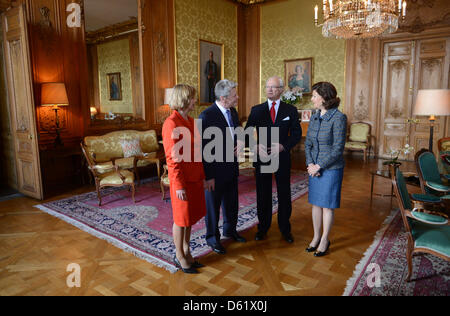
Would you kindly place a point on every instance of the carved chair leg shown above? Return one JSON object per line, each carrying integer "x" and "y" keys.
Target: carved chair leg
{"x": 133, "y": 191}
{"x": 365, "y": 155}
{"x": 409, "y": 255}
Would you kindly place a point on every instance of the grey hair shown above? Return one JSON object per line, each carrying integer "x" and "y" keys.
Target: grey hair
{"x": 279, "y": 79}
{"x": 223, "y": 88}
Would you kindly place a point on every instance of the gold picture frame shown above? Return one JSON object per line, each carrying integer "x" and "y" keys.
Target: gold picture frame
{"x": 298, "y": 74}
{"x": 216, "y": 69}
{"x": 114, "y": 86}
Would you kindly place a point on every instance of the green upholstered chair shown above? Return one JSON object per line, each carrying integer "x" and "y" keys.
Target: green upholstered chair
{"x": 426, "y": 233}
{"x": 444, "y": 161}
{"x": 359, "y": 138}
{"x": 430, "y": 178}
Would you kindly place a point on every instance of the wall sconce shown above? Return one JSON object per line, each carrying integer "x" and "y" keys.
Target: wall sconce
{"x": 93, "y": 112}
{"x": 54, "y": 94}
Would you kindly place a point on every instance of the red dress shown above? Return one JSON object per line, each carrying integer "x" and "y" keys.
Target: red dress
{"x": 184, "y": 172}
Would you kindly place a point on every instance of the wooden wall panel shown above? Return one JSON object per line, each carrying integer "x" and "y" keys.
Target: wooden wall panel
{"x": 249, "y": 58}
{"x": 56, "y": 51}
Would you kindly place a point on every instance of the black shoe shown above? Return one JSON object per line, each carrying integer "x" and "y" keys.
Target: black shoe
{"x": 218, "y": 248}
{"x": 260, "y": 236}
{"x": 190, "y": 270}
{"x": 237, "y": 237}
{"x": 311, "y": 249}
{"x": 322, "y": 253}
{"x": 288, "y": 238}
{"x": 197, "y": 265}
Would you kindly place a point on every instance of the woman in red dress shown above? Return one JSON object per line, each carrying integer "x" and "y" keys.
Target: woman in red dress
{"x": 186, "y": 176}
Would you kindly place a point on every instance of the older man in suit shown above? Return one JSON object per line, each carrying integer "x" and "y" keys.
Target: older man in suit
{"x": 221, "y": 165}
{"x": 274, "y": 116}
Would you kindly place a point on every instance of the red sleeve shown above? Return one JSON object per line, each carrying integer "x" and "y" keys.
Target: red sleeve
{"x": 176, "y": 176}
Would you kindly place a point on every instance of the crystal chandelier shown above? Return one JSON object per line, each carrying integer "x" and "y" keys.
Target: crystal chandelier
{"x": 360, "y": 18}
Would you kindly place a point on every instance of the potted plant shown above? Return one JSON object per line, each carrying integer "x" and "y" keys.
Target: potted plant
{"x": 394, "y": 153}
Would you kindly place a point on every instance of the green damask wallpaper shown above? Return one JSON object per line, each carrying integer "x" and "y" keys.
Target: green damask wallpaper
{"x": 114, "y": 57}
{"x": 288, "y": 32}
{"x": 211, "y": 20}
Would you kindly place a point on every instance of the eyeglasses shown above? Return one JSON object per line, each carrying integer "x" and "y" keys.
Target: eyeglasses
{"x": 274, "y": 87}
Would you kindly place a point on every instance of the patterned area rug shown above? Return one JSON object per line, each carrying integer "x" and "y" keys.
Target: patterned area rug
{"x": 431, "y": 275}
{"x": 145, "y": 228}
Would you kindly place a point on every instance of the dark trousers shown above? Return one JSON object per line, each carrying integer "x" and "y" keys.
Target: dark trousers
{"x": 225, "y": 195}
{"x": 264, "y": 199}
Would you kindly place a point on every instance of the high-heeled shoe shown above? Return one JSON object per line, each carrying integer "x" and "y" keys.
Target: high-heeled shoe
{"x": 311, "y": 249}
{"x": 190, "y": 270}
{"x": 322, "y": 253}
{"x": 197, "y": 265}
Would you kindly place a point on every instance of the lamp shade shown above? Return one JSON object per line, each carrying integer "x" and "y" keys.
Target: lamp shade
{"x": 167, "y": 95}
{"x": 432, "y": 102}
{"x": 54, "y": 93}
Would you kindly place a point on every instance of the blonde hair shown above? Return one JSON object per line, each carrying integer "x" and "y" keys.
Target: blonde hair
{"x": 181, "y": 96}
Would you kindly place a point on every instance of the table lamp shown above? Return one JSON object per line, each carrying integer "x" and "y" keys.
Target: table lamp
{"x": 94, "y": 112}
{"x": 54, "y": 94}
{"x": 432, "y": 102}
{"x": 164, "y": 110}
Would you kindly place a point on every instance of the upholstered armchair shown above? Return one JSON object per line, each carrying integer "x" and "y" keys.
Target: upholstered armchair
{"x": 426, "y": 233}
{"x": 112, "y": 176}
{"x": 164, "y": 182}
{"x": 430, "y": 178}
{"x": 444, "y": 153}
{"x": 359, "y": 138}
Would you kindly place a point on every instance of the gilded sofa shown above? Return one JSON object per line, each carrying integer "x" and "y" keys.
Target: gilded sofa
{"x": 106, "y": 150}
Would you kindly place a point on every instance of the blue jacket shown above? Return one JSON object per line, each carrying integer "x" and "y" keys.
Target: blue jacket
{"x": 325, "y": 140}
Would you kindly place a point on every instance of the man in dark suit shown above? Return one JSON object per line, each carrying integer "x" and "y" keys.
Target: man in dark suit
{"x": 271, "y": 117}
{"x": 221, "y": 165}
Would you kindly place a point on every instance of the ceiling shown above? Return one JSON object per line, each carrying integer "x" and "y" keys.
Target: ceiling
{"x": 101, "y": 13}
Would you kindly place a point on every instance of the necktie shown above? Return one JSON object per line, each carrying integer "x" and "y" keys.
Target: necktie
{"x": 230, "y": 120}
{"x": 272, "y": 112}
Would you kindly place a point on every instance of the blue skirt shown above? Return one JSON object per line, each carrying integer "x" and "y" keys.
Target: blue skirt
{"x": 325, "y": 191}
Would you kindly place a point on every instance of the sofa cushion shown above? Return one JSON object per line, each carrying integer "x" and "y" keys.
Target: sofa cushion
{"x": 131, "y": 148}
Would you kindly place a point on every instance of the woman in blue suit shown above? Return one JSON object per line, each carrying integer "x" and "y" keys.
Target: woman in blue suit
{"x": 324, "y": 147}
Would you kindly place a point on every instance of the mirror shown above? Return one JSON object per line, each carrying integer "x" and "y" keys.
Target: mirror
{"x": 114, "y": 54}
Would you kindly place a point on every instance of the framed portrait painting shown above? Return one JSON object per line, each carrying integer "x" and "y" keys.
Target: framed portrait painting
{"x": 210, "y": 69}
{"x": 114, "y": 86}
{"x": 299, "y": 74}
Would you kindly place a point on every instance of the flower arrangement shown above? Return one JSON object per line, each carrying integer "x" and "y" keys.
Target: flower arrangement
{"x": 394, "y": 153}
{"x": 292, "y": 96}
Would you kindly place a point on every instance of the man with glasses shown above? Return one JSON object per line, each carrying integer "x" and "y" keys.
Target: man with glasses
{"x": 270, "y": 117}
{"x": 221, "y": 173}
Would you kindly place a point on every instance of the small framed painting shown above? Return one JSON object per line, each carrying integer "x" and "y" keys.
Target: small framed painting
{"x": 299, "y": 74}
{"x": 306, "y": 115}
{"x": 114, "y": 86}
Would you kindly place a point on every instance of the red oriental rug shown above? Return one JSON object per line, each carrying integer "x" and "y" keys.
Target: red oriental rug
{"x": 383, "y": 270}
{"x": 145, "y": 228}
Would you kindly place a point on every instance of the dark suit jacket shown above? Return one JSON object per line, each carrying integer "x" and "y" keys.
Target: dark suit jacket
{"x": 287, "y": 121}
{"x": 221, "y": 171}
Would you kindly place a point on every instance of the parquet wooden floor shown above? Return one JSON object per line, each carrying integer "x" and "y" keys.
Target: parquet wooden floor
{"x": 36, "y": 248}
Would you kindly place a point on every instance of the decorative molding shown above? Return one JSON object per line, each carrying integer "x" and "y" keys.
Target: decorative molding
{"x": 161, "y": 47}
{"x": 45, "y": 22}
{"x": 361, "y": 112}
{"x": 364, "y": 53}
